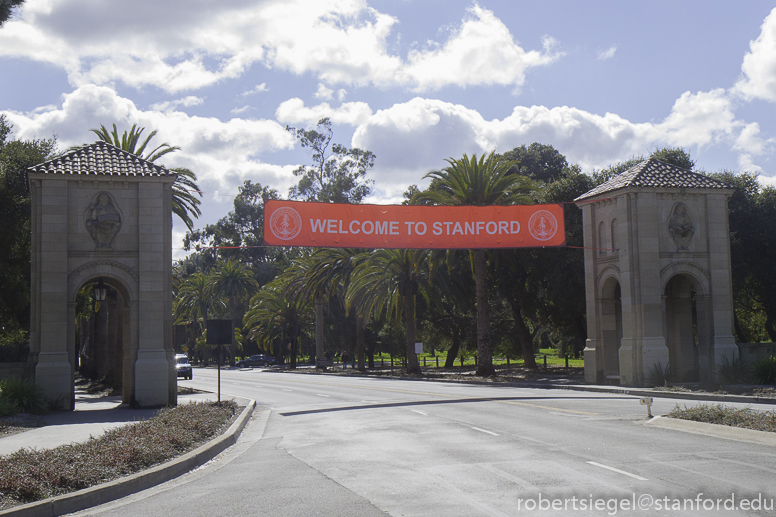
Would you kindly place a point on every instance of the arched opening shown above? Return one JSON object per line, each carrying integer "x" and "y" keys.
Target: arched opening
{"x": 686, "y": 327}
{"x": 611, "y": 329}
{"x": 102, "y": 351}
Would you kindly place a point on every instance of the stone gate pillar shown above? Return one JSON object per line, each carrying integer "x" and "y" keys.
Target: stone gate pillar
{"x": 642, "y": 228}
{"x": 102, "y": 215}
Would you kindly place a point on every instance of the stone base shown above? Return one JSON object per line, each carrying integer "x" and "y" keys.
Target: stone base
{"x": 54, "y": 374}
{"x": 152, "y": 379}
{"x": 591, "y": 372}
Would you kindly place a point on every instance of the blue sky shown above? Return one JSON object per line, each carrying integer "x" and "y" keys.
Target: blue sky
{"x": 414, "y": 81}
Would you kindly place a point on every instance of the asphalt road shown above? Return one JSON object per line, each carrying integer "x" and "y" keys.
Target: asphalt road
{"x": 342, "y": 446}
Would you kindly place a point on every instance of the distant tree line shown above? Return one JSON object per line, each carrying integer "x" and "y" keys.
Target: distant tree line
{"x": 296, "y": 302}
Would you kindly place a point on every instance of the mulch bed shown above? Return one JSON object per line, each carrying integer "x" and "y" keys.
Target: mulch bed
{"x": 30, "y": 475}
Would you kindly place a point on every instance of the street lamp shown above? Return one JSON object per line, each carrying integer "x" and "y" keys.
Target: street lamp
{"x": 100, "y": 291}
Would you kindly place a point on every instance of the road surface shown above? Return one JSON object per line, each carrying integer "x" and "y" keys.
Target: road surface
{"x": 341, "y": 446}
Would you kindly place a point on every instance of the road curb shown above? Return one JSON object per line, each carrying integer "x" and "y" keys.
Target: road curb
{"x": 122, "y": 487}
{"x": 634, "y": 392}
{"x": 719, "y": 431}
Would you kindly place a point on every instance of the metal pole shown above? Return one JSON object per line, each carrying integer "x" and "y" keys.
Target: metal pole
{"x": 219, "y": 374}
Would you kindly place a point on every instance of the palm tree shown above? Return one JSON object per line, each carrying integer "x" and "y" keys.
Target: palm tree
{"x": 234, "y": 282}
{"x": 195, "y": 300}
{"x": 330, "y": 276}
{"x": 388, "y": 281}
{"x": 184, "y": 203}
{"x": 276, "y": 317}
{"x": 469, "y": 181}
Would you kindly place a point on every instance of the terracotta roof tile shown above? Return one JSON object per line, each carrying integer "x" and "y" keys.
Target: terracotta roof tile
{"x": 100, "y": 158}
{"x": 655, "y": 174}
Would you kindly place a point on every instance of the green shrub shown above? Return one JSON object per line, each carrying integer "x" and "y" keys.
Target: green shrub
{"x": 7, "y": 408}
{"x": 658, "y": 376}
{"x": 764, "y": 370}
{"x": 722, "y": 415}
{"x": 14, "y": 346}
{"x": 733, "y": 372}
{"x": 24, "y": 396}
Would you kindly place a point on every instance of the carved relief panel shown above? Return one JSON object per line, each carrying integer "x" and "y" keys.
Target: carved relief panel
{"x": 103, "y": 220}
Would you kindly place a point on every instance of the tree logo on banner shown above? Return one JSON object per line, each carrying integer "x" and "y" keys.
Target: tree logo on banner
{"x": 285, "y": 223}
{"x": 543, "y": 225}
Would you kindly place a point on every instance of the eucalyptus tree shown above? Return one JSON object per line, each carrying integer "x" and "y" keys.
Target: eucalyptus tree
{"x": 338, "y": 174}
{"x": 480, "y": 182}
{"x": 238, "y": 235}
{"x": 234, "y": 282}
{"x": 184, "y": 191}
{"x": 387, "y": 282}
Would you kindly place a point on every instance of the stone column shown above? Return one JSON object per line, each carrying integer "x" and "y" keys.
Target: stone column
{"x": 152, "y": 367}
{"x": 53, "y": 372}
{"x": 594, "y": 369}
{"x": 721, "y": 278}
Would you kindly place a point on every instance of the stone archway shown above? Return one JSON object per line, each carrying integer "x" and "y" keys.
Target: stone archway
{"x": 664, "y": 231}
{"x": 103, "y": 345}
{"x": 101, "y": 213}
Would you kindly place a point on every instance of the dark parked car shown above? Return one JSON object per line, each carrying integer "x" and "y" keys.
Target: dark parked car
{"x": 182, "y": 366}
{"x": 257, "y": 360}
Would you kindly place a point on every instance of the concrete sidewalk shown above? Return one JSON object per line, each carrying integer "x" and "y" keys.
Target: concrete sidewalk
{"x": 93, "y": 415}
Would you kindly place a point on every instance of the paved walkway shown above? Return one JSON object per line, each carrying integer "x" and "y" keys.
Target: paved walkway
{"x": 92, "y": 417}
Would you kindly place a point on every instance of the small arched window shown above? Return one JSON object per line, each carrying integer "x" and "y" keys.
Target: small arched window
{"x": 601, "y": 238}
{"x": 615, "y": 244}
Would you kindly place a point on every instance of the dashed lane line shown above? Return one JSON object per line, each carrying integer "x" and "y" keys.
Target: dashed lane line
{"x": 607, "y": 467}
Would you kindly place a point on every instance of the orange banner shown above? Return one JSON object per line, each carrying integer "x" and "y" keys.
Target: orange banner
{"x": 294, "y": 223}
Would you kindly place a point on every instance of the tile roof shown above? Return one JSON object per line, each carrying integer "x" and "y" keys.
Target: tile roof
{"x": 654, "y": 173}
{"x": 100, "y": 158}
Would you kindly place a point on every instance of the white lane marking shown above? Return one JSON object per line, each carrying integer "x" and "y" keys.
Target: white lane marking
{"x": 419, "y": 412}
{"x": 320, "y": 395}
{"x": 634, "y": 476}
{"x": 485, "y": 431}
{"x": 287, "y": 390}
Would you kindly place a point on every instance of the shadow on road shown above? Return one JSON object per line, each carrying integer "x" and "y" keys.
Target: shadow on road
{"x": 453, "y": 401}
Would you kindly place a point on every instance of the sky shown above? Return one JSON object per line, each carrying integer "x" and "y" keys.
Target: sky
{"x": 413, "y": 81}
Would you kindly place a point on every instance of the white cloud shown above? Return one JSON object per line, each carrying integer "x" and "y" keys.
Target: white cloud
{"x": 699, "y": 119}
{"x": 258, "y": 89}
{"x": 237, "y": 111}
{"x": 411, "y": 138}
{"x": 607, "y": 54}
{"x": 481, "y": 51}
{"x": 221, "y": 153}
{"x": 759, "y": 66}
{"x": 184, "y": 47}
{"x": 324, "y": 92}
{"x": 293, "y": 111}
{"x": 187, "y": 102}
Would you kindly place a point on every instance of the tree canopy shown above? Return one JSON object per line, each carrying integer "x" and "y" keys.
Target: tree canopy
{"x": 6, "y": 9}
{"x": 338, "y": 174}
{"x": 15, "y": 157}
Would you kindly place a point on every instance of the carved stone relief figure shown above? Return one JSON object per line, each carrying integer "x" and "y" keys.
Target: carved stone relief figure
{"x": 680, "y": 226}
{"x": 103, "y": 221}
